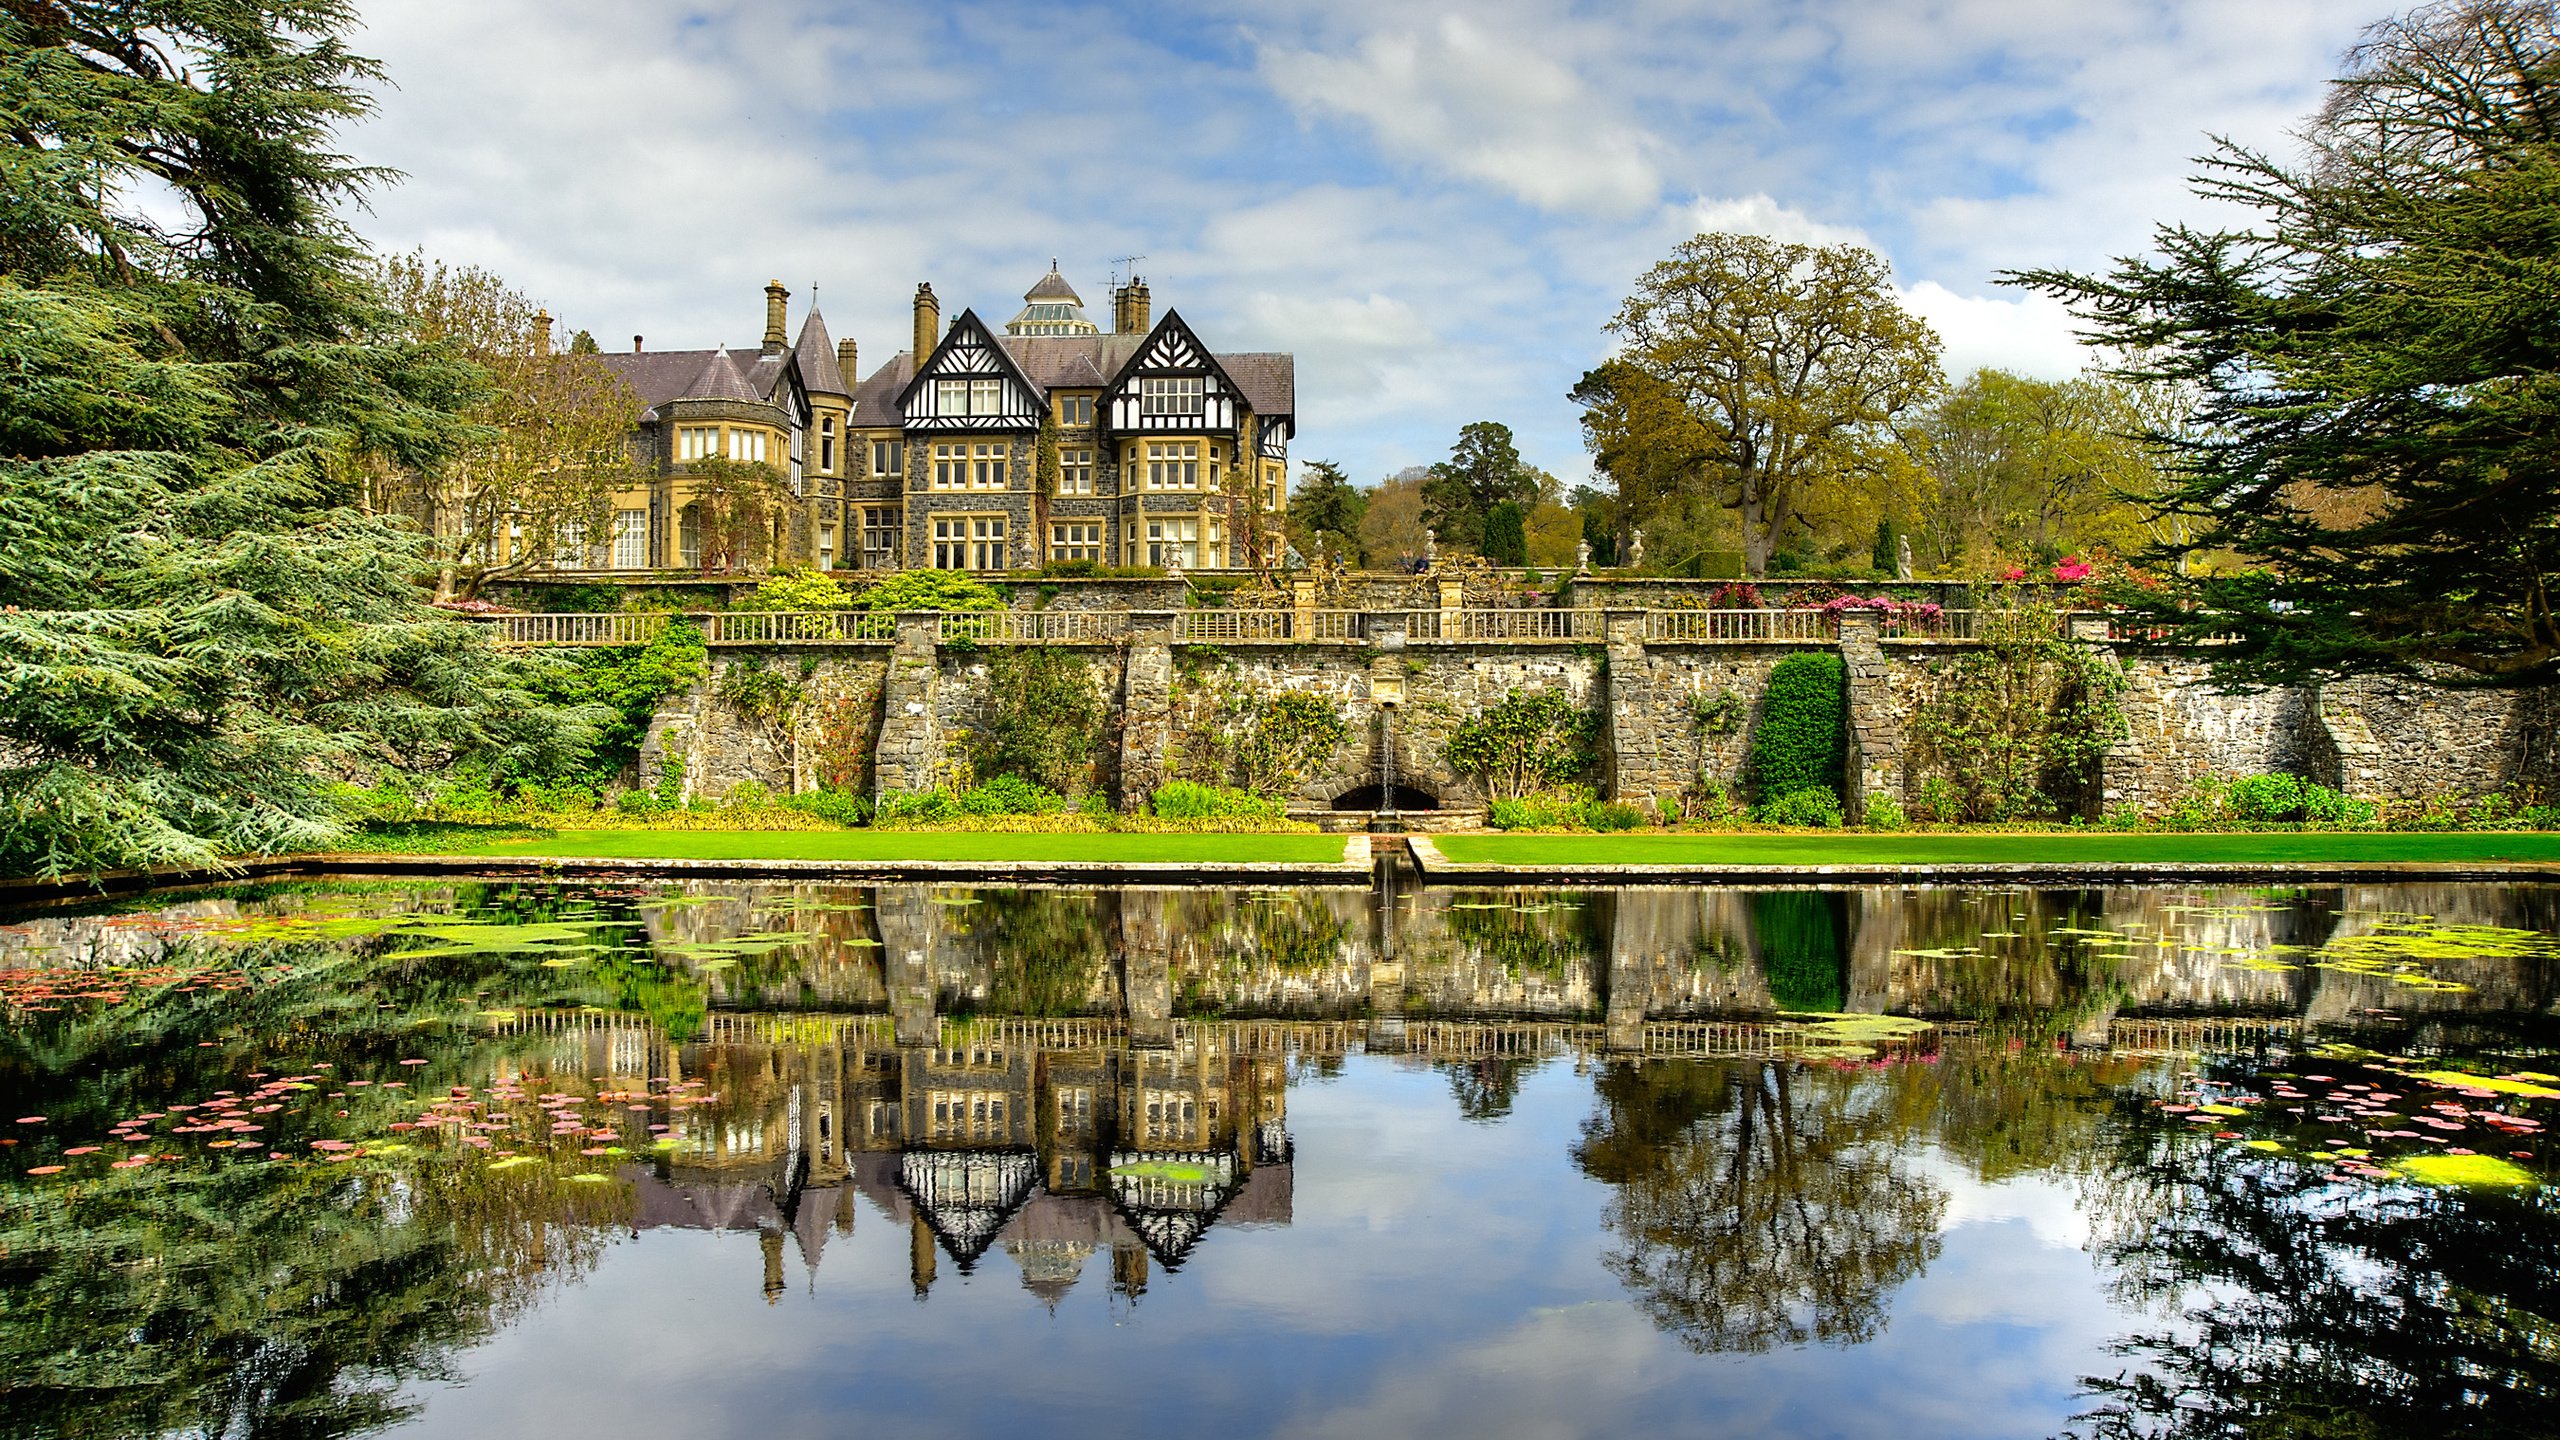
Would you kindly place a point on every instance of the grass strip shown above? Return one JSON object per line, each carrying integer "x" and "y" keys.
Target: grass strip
{"x": 915, "y": 845}
{"x": 2261, "y": 848}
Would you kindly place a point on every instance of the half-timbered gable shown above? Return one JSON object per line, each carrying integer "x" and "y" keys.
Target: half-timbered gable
{"x": 970, "y": 384}
{"x": 1173, "y": 385}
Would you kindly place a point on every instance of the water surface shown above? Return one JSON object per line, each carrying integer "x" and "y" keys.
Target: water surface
{"x": 757, "y": 1159}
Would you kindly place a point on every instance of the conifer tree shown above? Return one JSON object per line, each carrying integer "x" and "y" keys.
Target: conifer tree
{"x": 2368, "y": 482}
{"x": 200, "y": 630}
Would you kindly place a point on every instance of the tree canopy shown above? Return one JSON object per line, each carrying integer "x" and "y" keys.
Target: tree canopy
{"x": 200, "y": 626}
{"x": 2372, "y": 447}
{"x": 1483, "y": 471}
{"x": 1767, "y": 376}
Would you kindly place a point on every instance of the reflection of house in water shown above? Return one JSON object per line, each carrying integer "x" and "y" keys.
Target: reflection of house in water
{"x": 1052, "y": 1147}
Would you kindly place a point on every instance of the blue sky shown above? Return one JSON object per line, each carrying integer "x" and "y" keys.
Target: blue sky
{"x": 1435, "y": 207}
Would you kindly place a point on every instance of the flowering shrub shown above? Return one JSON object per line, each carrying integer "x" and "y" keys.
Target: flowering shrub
{"x": 1736, "y": 595}
{"x": 2073, "y": 570}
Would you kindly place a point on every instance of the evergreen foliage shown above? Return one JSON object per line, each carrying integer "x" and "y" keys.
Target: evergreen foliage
{"x": 1044, "y": 721}
{"x": 2018, "y": 728}
{"x": 200, "y": 627}
{"x": 910, "y": 590}
{"x": 1506, "y": 534}
{"x": 1802, "y": 740}
{"x": 1533, "y": 740}
{"x": 2373, "y": 365}
{"x": 1800, "y": 951}
{"x": 1325, "y": 511}
{"x": 1483, "y": 470}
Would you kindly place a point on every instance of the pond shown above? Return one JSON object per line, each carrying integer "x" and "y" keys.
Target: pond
{"x": 489, "y": 1157}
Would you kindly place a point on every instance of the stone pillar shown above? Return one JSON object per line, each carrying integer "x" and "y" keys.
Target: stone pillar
{"x": 1631, "y": 760}
{"x": 1146, "y": 706}
{"x": 910, "y": 736}
{"x": 1453, "y": 601}
{"x": 907, "y": 927}
{"x": 1650, "y": 932}
{"x": 1146, "y": 968}
{"x": 1302, "y": 607}
{"x": 2361, "y": 759}
{"x": 1875, "y": 729}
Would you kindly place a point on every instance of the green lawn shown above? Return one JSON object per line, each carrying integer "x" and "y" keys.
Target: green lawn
{"x": 1959, "y": 849}
{"x": 900, "y": 845}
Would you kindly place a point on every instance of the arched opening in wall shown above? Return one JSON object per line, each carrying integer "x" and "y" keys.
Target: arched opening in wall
{"x": 1386, "y": 797}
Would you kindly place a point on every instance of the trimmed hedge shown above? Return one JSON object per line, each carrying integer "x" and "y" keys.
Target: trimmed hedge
{"x": 1802, "y": 742}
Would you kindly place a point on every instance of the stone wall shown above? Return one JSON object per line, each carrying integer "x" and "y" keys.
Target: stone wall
{"x": 2383, "y": 740}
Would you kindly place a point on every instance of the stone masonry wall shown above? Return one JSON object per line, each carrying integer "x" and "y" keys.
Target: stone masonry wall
{"x": 2373, "y": 739}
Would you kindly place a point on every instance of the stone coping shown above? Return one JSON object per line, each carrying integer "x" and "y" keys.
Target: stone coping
{"x": 1438, "y": 869}
{"x": 1353, "y": 868}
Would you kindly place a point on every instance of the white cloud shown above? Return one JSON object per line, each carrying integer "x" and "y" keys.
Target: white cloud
{"x": 2029, "y": 334}
{"x": 1763, "y": 216}
{"x": 1490, "y": 108}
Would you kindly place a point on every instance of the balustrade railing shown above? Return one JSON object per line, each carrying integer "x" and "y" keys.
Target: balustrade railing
{"x": 798, "y": 627}
{"x": 574, "y": 630}
{"x": 1297, "y": 627}
{"x": 1035, "y": 627}
{"x": 1741, "y": 627}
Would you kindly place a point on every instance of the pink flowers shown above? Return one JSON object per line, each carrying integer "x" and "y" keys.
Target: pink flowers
{"x": 2073, "y": 570}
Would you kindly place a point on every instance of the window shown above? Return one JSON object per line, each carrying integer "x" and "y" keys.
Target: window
{"x": 827, "y": 445}
{"x": 968, "y": 397}
{"x": 888, "y": 457}
{"x": 569, "y": 546}
{"x": 882, "y": 528}
{"x": 697, "y": 442}
{"x": 1075, "y": 410}
{"x": 826, "y": 547}
{"x": 1173, "y": 464}
{"x": 747, "y": 445}
{"x": 1075, "y": 471}
{"x": 630, "y": 539}
{"x": 1170, "y": 395}
{"x": 1174, "y": 540}
{"x": 971, "y": 464}
{"x": 1075, "y": 542}
{"x": 969, "y": 542}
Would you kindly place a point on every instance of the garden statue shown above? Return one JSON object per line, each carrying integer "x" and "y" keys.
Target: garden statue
{"x": 1635, "y": 550}
{"x": 1902, "y": 561}
{"x": 1581, "y": 557}
{"x": 1430, "y": 547}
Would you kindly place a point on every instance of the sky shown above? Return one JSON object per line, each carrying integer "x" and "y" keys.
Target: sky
{"x": 1436, "y": 207}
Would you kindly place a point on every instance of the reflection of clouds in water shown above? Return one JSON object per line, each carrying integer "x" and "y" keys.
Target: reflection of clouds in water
{"x": 2045, "y": 1208}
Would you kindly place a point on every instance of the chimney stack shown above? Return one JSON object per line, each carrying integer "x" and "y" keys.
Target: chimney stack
{"x": 635, "y": 344}
{"x": 777, "y": 303}
{"x": 541, "y": 332}
{"x": 845, "y": 353}
{"x": 1141, "y": 310}
{"x": 928, "y": 323}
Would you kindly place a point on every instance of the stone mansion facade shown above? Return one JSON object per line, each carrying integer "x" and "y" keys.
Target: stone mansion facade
{"x": 1054, "y": 441}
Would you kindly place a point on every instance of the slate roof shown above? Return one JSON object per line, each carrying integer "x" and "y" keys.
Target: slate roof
{"x": 663, "y": 375}
{"x": 1052, "y": 286}
{"x": 819, "y": 373}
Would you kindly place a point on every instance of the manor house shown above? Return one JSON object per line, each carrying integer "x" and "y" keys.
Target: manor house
{"x": 1053, "y": 441}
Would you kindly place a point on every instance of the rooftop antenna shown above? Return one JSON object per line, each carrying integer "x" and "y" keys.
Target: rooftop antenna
{"x": 1129, "y": 262}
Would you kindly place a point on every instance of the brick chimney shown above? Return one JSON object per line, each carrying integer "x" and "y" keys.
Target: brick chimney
{"x": 928, "y": 323}
{"x": 541, "y": 332}
{"x": 845, "y": 353}
{"x": 635, "y": 344}
{"x": 777, "y": 315}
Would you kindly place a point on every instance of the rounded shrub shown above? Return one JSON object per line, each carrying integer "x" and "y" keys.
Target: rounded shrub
{"x": 1802, "y": 741}
{"x": 1815, "y": 808}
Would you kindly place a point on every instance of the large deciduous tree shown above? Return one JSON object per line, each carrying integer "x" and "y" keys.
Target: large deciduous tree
{"x": 535, "y": 481}
{"x": 200, "y": 627}
{"x": 2374, "y": 446}
{"x": 1769, "y": 375}
{"x": 2018, "y": 466}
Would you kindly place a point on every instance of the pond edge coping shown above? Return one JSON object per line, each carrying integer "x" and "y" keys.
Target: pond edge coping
{"x": 1438, "y": 869}
{"x": 1354, "y": 866}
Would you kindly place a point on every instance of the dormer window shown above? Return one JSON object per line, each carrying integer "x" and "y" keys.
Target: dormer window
{"x": 1171, "y": 395}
